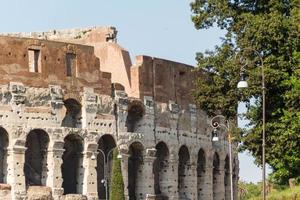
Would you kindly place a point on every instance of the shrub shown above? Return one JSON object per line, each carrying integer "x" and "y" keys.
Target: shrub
{"x": 117, "y": 184}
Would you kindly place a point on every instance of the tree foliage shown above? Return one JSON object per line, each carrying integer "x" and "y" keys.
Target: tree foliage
{"x": 255, "y": 28}
{"x": 117, "y": 184}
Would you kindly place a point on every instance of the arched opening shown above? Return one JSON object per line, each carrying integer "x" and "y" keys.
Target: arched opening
{"x": 3, "y": 155}
{"x": 135, "y": 162}
{"x": 35, "y": 167}
{"x": 135, "y": 114}
{"x": 160, "y": 169}
{"x": 201, "y": 166}
{"x": 72, "y": 168}
{"x": 217, "y": 193}
{"x": 184, "y": 162}
{"x": 227, "y": 179}
{"x": 106, "y": 144}
{"x": 73, "y": 114}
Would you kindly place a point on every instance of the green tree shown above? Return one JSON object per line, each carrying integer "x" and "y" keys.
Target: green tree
{"x": 117, "y": 184}
{"x": 269, "y": 28}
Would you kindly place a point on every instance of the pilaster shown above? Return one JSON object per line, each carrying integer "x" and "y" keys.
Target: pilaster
{"x": 90, "y": 175}
{"x": 173, "y": 177}
{"x": 124, "y": 166}
{"x": 16, "y": 177}
{"x": 54, "y": 160}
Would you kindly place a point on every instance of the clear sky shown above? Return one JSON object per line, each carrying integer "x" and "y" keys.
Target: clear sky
{"x": 160, "y": 28}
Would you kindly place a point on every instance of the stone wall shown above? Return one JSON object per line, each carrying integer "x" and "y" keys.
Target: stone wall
{"x": 58, "y": 128}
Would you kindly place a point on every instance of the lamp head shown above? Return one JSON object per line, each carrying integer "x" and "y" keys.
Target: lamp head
{"x": 93, "y": 157}
{"x": 215, "y": 139}
{"x": 242, "y": 83}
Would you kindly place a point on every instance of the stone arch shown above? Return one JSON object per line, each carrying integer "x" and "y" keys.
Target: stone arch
{"x": 217, "y": 188}
{"x": 73, "y": 113}
{"x": 106, "y": 144}
{"x": 4, "y": 142}
{"x": 135, "y": 165}
{"x": 35, "y": 166}
{"x": 72, "y": 167}
{"x": 136, "y": 111}
{"x": 160, "y": 169}
{"x": 227, "y": 178}
{"x": 183, "y": 168}
{"x": 201, "y": 172}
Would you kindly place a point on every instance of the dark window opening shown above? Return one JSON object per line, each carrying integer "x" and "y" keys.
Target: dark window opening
{"x": 73, "y": 114}
{"x": 35, "y": 167}
{"x": 106, "y": 144}
{"x": 70, "y": 64}
{"x": 135, "y": 163}
{"x": 34, "y": 60}
{"x": 135, "y": 114}
{"x": 72, "y": 167}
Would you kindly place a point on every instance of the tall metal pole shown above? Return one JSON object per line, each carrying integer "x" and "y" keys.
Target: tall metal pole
{"x": 215, "y": 125}
{"x": 230, "y": 164}
{"x": 264, "y": 130}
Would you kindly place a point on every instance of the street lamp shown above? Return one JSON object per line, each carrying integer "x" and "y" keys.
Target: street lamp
{"x": 243, "y": 84}
{"x": 104, "y": 181}
{"x": 216, "y": 123}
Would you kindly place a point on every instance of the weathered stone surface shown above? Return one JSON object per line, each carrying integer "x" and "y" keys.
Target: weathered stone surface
{"x": 68, "y": 98}
{"x": 39, "y": 193}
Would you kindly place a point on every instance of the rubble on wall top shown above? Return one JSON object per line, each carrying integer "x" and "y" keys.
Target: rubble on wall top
{"x": 109, "y": 33}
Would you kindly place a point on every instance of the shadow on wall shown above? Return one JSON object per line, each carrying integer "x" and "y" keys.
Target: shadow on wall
{"x": 35, "y": 167}
{"x": 3, "y": 155}
{"x": 73, "y": 114}
{"x": 135, "y": 114}
{"x": 72, "y": 167}
{"x": 135, "y": 163}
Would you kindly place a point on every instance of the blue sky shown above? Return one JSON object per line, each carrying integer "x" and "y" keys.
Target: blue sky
{"x": 155, "y": 28}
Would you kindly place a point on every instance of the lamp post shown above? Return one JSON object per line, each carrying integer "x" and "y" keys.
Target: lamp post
{"x": 104, "y": 181}
{"x": 243, "y": 84}
{"x": 216, "y": 122}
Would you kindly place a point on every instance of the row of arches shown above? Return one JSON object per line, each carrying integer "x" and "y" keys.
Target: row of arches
{"x": 36, "y": 167}
{"x": 162, "y": 173}
{"x": 36, "y": 170}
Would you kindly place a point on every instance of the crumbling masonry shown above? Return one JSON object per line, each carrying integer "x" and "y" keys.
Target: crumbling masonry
{"x": 67, "y": 98}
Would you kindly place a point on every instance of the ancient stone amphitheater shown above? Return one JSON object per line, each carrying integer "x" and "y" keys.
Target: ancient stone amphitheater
{"x": 67, "y": 98}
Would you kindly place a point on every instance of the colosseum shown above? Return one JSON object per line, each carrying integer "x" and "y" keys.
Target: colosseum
{"x": 69, "y": 97}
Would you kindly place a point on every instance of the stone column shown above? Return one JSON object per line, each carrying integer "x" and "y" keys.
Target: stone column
{"x": 208, "y": 179}
{"x": 54, "y": 160}
{"x": 191, "y": 181}
{"x": 16, "y": 177}
{"x": 124, "y": 167}
{"x": 173, "y": 177}
{"x": 90, "y": 175}
{"x": 221, "y": 180}
{"x": 147, "y": 183}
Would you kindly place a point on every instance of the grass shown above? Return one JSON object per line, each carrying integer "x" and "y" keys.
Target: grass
{"x": 286, "y": 194}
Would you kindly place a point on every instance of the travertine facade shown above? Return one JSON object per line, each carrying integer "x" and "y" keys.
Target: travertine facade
{"x": 67, "y": 98}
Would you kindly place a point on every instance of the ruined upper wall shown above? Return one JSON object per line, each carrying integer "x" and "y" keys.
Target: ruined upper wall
{"x": 17, "y": 55}
{"x": 162, "y": 79}
{"x": 113, "y": 58}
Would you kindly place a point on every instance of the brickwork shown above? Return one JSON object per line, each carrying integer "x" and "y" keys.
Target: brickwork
{"x": 63, "y": 110}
